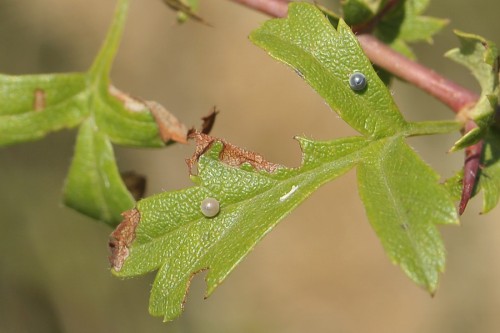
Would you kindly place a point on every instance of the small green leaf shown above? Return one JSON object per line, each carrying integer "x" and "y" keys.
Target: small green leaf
{"x": 480, "y": 56}
{"x": 404, "y": 24}
{"x": 175, "y": 237}
{"x": 326, "y": 58}
{"x": 356, "y": 11}
{"x": 94, "y": 186}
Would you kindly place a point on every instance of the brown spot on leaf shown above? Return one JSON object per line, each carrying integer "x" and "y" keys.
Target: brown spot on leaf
{"x": 230, "y": 154}
{"x": 169, "y": 127}
{"x": 39, "y": 101}
{"x": 135, "y": 183}
{"x": 122, "y": 237}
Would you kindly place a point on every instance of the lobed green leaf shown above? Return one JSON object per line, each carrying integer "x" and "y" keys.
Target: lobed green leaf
{"x": 175, "y": 237}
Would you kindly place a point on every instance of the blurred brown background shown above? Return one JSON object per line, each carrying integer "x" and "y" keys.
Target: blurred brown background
{"x": 321, "y": 270}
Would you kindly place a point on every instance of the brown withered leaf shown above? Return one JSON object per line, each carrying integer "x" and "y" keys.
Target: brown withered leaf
{"x": 230, "y": 154}
{"x": 169, "y": 127}
{"x": 132, "y": 104}
{"x": 135, "y": 183}
{"x": 122, "y": 237}
{"x": 209, "y": 121}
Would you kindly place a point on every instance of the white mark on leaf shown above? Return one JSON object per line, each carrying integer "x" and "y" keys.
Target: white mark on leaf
{"x": 286, "y": 196}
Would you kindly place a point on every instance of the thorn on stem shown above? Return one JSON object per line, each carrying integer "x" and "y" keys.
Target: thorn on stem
{"x": 471, "y": 168}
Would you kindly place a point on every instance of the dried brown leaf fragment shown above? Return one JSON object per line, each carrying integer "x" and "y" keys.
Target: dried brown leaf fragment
{"x": 230, "y": 154}
{"x": 135, "y": 183}
{"x": 122, "y": 237}
{"x": 169, "y": 127}
{"x": 209, "y": 121}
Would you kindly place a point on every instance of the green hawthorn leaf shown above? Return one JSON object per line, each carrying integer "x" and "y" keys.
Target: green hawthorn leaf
{"x": 356, "y": 11}
{"x": 480, "y": 56}
{"x": 404, "y": 203}
{"x": 169, "y": 233}
{"x": 94, "y": 186}
{"x": 32, "y": 106}
{"x": 326, "y": 58}
{"x": 404, "y": 24}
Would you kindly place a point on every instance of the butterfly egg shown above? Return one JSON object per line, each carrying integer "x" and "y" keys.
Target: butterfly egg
{"x": 357, "y": 81}
{"x": 210, "y": 207}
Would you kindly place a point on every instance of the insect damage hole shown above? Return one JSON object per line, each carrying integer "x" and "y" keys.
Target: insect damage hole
{"x": 210, "y": 207}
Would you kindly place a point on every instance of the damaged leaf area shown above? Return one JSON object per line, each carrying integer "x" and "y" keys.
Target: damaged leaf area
{"x": 229, "y": 154}
{"x": 32, "y": 106}
{"x": 122, "y": 237}
{"x": 174, "y": 237}
{"x": 404, "y": 201}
